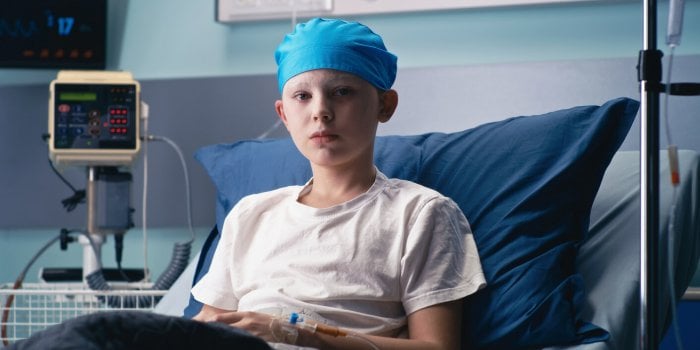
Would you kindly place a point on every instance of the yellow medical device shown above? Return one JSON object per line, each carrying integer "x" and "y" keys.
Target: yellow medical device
{"x": 94, "y": 118}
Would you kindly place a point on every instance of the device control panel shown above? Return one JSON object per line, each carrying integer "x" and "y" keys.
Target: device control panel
{"x": 94, "y": 122}
{"x": 94, "y": 116}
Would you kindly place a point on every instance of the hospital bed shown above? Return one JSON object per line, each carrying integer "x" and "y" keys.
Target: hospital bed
{"x": 557, "y": 228}
{"x": 554, "y": 206}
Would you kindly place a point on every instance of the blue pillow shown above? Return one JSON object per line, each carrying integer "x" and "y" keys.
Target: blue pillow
{"x": 526, "y": 185}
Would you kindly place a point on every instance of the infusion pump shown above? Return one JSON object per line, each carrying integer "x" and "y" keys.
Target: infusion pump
{"x": 94, "y": 118}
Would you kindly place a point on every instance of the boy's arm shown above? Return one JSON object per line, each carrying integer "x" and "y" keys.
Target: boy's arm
{"x": 439, "y": 324}
{"x": 434, "y": 327}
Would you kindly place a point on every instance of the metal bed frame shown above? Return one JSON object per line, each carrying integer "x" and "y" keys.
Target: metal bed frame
{"x": 36, "y": 306}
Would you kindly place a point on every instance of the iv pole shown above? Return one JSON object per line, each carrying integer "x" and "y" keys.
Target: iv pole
{"x": 649, "y": 75}
{"x": 649, "y": 71}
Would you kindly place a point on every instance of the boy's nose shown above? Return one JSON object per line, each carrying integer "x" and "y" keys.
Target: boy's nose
{"x": 325, "y": 117}
{"x": 322, "y": 111}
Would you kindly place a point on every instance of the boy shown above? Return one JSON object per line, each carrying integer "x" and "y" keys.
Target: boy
{"x": 385, "y": 261}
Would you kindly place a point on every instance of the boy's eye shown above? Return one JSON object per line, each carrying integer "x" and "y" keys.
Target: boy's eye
{"x": 301, "y": 96}
{"x": 342, "y": 91}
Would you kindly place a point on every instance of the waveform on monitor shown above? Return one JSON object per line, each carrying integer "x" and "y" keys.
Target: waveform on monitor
{"x": 18, "y": 28}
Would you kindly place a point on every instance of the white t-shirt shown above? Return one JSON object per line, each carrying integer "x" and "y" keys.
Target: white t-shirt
{"x": 362, "y": 265}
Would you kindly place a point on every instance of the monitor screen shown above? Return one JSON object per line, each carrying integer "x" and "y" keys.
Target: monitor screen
{"x": 95, "y": 116}
{"x": 53, "y": 34}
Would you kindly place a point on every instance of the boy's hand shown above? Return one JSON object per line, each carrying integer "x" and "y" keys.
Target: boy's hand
{"x": 255, "y": 323}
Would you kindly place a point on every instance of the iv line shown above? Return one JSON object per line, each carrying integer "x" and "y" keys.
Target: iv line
{"x": 675, "y": 180}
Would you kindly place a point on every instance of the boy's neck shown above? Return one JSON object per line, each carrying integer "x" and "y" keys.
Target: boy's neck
{"x": 332, "y": 187}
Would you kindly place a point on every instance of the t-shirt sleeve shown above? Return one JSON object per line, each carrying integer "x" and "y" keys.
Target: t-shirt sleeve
{"x": 215, "y": 288}
{"x": 441, "y": 262}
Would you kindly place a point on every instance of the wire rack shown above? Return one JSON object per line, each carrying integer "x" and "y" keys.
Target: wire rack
{"x": 37, "y": 306}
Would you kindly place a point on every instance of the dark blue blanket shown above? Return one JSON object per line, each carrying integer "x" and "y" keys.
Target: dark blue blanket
{"x": 139, "y": 330}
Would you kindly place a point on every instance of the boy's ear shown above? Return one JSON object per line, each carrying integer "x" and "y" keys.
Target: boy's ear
{"x": 279, "y": 108}
{"x": 388, "y": 100}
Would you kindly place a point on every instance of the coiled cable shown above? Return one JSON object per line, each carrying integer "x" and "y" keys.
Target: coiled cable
{"x": 178, "y": 262}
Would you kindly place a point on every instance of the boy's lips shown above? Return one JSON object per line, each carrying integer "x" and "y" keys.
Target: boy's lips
{"x": 323, "y": 137}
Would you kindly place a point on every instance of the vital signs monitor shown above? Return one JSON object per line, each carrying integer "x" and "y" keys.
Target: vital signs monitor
{"x": 94, "y": 118}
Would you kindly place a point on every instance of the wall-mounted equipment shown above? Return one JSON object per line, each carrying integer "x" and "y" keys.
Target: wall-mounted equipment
{"x": 250, "y": 10}
{"x": 66, "y": 34}
{"x": 256, "y": 10}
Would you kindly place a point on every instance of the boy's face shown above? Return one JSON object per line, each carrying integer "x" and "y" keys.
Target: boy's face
{"x": 332, "y": 116}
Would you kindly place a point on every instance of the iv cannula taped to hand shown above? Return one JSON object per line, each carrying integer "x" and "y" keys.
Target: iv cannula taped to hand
{"x": 288, "y": 332}
{"x": 294, "y": 319}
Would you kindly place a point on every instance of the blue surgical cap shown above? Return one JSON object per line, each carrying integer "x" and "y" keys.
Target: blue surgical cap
{"x": 335, "y": 44}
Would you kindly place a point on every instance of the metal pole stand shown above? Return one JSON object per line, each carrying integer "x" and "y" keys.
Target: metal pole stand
{"x": 92, "y": 248}
{"x": 92, "y": 253}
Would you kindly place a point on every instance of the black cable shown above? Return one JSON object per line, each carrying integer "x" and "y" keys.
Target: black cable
{"x": 78, "y": 196}
{"x": 118, "y": 250}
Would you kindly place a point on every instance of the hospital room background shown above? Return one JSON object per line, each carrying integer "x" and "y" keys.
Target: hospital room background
{"x": 209, "y": 82}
